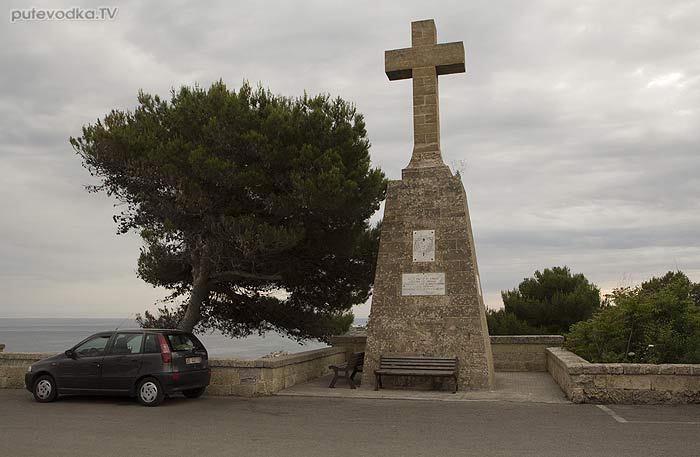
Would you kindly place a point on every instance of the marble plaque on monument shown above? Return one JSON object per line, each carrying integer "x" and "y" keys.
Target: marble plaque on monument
{"x": 424, "y": 245}
{"x": 423, "y": 284}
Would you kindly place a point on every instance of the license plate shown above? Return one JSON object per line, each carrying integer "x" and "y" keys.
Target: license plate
{"x": 191, "y": 360}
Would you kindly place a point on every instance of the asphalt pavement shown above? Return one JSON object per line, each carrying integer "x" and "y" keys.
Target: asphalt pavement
{"x": 315, "y": 426}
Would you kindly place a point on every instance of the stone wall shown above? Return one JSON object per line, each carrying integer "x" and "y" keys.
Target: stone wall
{"x": 13, "y": 366}
{"x": 510, "y": 353}
{"x": 409, "y": 316}
{"x": 623, "y": 383}
{"x": 249, "y": 378}
{"x": 523, "y": 353}
{"x": 246, "y": 378}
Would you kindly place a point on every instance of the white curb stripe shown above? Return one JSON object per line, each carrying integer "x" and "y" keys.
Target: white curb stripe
{"x": 612, "y": 414}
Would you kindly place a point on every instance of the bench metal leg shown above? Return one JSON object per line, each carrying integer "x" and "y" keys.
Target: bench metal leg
{"x": 349, "y": 379}
{"x": 335, "y": 378}
{"x": 456, "y": 386}
{"x": 377, "y": 382}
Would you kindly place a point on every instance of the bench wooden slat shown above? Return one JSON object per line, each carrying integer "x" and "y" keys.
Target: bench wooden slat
{"x": 411, "y": 362}
{"x": 418, "y": 364}
{"x": 416, "y": 357}
{"x": 416, "y": 373}
{"x": 396, "y": 365}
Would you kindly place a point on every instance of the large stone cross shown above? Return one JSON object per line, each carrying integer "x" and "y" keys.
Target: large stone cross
{"x": 423, "y": 62}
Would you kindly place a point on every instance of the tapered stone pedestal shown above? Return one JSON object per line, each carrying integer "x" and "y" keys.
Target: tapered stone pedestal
{"x": 447, "y": 325}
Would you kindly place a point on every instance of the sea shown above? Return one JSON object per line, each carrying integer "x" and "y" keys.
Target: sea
{"x": 59, "y": 334}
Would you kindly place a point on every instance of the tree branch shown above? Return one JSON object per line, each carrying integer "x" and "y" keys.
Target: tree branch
{"x": 232, "y": 275}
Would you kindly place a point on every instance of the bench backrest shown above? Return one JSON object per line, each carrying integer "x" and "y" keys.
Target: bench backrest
{"x": 400, "y": 362}
{"x": 357, "y": 359}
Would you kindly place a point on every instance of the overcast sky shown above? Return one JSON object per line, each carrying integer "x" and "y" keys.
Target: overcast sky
{"x": 575, "y": 128}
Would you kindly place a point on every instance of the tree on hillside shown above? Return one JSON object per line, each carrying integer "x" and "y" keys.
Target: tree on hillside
{"x": 551, "y": 301}
{"x": 501, "y": 322}
{"x": 656, "y": 322}
{"x": 253, "y": 207}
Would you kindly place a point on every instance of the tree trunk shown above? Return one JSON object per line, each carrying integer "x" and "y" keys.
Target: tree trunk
{"x": 201, "y": 271}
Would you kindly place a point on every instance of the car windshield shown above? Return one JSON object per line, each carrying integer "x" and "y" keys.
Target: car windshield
{"x": 183, "y": 342}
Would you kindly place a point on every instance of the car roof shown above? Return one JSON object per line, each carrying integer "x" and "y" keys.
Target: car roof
{"x": 153, "y": 330}
{"x": 134, "y": 330}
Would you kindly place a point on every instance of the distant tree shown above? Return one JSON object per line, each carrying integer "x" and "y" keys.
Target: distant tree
{"x": 656, "y": 322}
{"x": 501, "y": 322}
{"x": 253, "y": 208}
{"x": 552, "y": 300}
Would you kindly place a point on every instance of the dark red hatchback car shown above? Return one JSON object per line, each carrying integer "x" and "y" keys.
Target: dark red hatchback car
{"x": 146, "y": 363}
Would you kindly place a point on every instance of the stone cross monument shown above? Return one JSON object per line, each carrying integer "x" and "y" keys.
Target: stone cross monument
{"x": 427, "y": 293}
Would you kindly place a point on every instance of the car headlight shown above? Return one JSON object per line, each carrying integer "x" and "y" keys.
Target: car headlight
{"x": 29, "y": 370}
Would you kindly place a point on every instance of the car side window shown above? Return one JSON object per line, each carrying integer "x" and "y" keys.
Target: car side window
{"x": 127, "y": 343}
{"x": 152, "y": 346}
{"x": 94, "y": 347}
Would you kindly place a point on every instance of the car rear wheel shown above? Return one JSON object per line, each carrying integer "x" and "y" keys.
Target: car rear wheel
{"x": 150, "y": 392}
{"x": 44, "y": 389}
{"x": 194, "y": 393}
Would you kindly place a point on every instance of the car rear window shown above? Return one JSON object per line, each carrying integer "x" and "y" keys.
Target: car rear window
{"x": 183, "y": 342}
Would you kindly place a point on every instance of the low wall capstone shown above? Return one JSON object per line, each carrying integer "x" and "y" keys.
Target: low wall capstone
{"x": 623, "y": 383}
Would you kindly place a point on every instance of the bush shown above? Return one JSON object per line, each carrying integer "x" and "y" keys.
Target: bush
{"x": 503, "y": 323}
{"x": 549, "y": 302}
{"x": 657, "y": 322}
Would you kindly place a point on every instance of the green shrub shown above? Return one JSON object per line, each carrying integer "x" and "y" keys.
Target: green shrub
{"x": 548, "y": 303}
{"x": 656, "y": 322}
{"x": 504, "y": 323}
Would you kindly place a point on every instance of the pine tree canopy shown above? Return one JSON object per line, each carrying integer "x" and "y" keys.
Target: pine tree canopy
{"x": 254, "y": 208}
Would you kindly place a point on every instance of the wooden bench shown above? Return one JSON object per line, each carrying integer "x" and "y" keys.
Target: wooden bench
{"x": 396, "y": 365}
{"x": 348, "y": 369}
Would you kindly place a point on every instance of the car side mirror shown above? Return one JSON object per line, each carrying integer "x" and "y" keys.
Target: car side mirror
{"x": 70, "y": 354}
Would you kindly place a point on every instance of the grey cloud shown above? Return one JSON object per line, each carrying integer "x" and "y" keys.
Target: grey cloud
{"x": 574, "y": 129}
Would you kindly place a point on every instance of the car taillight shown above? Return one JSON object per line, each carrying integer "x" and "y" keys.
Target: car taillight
{"x": 165, "y": 353}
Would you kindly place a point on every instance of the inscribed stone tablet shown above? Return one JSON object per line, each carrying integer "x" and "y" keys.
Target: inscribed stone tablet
{"x": 424, "y": 245}
{"x": 423, "y": 284}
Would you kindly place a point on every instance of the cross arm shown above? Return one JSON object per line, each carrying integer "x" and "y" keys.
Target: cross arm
{"x": 446, "y": 57}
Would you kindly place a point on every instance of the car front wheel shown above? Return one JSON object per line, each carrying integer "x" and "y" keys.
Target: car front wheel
{"x": 149, "y": 392}
{"x": 44, "y": 389}
{"x": 194, "y": 393}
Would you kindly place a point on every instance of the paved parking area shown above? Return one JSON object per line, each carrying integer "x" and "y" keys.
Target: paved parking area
{"x": 316, "y": 426}
{"x": 654, "y": 414}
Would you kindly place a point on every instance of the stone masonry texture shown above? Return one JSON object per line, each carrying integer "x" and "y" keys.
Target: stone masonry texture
{"x": 623, "y": 383}
{"x": 423, "y": 62}
{"x": 510, "y": 353}
{"x": 447, "y": 325}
